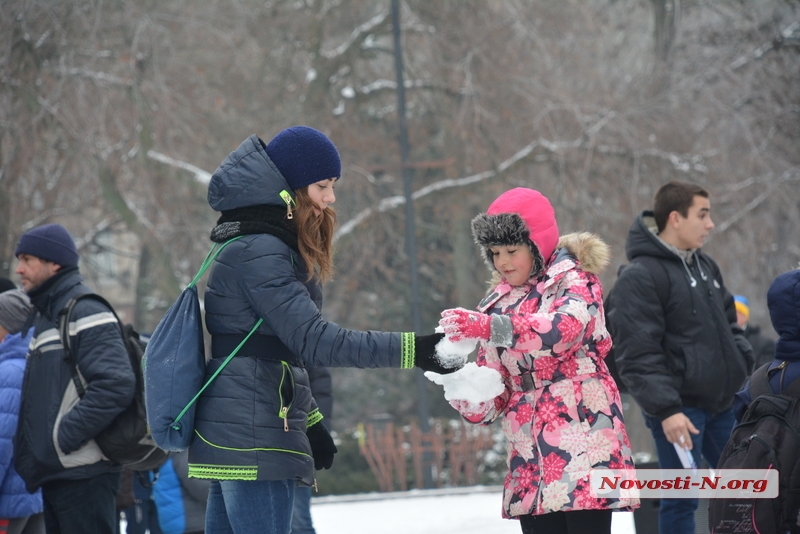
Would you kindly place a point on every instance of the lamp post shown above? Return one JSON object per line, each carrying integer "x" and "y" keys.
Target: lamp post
{"x": 411, "y": 245}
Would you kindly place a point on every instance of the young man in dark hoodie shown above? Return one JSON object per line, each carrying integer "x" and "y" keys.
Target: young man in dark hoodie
{"x": 679, "y": 349}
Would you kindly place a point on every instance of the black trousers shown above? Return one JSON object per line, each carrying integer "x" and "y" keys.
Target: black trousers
{"x": 88, "y": 505}
{"x": 577, "y": 522}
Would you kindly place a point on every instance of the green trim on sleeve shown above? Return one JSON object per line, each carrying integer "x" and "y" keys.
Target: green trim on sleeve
{"x": 407, "y": 342}
{"x": 314, "y": 417}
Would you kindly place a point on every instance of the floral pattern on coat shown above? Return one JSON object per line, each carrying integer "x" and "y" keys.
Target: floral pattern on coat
{"x": 561, "y": 410}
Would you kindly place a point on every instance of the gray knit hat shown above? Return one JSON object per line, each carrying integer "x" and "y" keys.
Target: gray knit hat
{"x": 14, "y": 310}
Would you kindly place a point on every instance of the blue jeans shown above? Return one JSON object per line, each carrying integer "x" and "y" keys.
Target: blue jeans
{"x": 86, "y": 505}
{"x": 301, "y": 517}
{"x": 677, "y": 515}
{"x": 250, "y": 507}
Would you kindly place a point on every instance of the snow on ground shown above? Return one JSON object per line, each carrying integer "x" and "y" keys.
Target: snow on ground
{"x": 473, "y": 510}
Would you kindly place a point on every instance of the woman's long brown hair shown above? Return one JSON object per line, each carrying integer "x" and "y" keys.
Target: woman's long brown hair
{"x": 314, "y": 236}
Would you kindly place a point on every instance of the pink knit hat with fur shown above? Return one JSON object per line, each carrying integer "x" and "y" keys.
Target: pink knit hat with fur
{"x": 536, "y": 211}
{"x": 520, "y": 216}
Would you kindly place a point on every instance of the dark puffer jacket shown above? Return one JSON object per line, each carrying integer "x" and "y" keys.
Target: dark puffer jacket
{"x": 250, "y": 423}
{"x": 682, "y": 354}
{"x": 54, "y": 439}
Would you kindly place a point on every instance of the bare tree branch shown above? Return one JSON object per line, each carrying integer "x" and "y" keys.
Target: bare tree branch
{"x": 787, "y": 33}
{"x": 357, "y": 36}
{"x": 388, "y": 85}
{"x": 398, "y": 200}
{"x": 683, "y": 163}
{"x": 790, "y": 174}
{"x": 97, "y": 76}
{"x": 204, "y": 177}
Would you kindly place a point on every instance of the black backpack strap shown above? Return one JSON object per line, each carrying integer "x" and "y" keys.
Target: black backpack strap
{"x": 63, "y": 333}
{"x": 759, "y": 382}
{"x": 66, "y": 340}
{"x": 793, "y": 389}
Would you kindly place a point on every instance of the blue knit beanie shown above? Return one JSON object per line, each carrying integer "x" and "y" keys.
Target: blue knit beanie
{"x": 50, "y": 242}
{"x": 304, "y": 156}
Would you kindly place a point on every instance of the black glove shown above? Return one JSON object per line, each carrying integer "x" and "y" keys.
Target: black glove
{"x": 322, "y": 446}
{"x": 425, "y": 356}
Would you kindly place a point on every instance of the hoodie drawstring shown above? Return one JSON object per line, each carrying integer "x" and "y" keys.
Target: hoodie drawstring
{"x": 693, "y": 281}
{"x": 700, "y": 267}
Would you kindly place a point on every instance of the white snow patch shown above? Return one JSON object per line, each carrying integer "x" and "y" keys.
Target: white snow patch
{"x": 454, "y": 353}
{"x": 474, "y": 510}
{"x": 471, "y": 383}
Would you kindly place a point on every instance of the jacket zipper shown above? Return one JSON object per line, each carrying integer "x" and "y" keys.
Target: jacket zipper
{"x": 284, "y": 411}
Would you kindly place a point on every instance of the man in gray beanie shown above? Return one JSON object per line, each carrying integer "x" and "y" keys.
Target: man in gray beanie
{"x": 21, "y": 509}
{"x": 54, "y": 444}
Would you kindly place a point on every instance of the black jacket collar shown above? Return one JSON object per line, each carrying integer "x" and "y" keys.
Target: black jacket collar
{"x": 47, "y": 297}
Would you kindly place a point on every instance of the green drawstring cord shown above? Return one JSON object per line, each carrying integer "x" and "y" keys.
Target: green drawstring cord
{"x": 218, "y": 371}
{"x": 210, "y": 257}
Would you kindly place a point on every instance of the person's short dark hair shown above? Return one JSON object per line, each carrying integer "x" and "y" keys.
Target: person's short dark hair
{"x": 675, "y": 196}
{"x": 6, "y": 284}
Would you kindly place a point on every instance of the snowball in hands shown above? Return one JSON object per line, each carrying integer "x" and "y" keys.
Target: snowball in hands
{"x": 471, "y": 383}
{"x": 456, "y": 352}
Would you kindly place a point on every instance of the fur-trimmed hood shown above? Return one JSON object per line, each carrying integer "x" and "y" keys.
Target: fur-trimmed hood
{"x": 592, "y": 253}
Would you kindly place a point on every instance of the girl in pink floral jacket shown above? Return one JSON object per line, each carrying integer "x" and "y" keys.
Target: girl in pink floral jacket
{"x": 542, "y": 328}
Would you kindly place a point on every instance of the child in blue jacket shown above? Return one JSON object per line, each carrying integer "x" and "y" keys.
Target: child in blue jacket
{"x": 18, "y": 509}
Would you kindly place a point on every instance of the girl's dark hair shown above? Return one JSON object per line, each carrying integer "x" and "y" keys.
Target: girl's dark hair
{"x": 675, "y": 196}
{"x": 314, "y": 236}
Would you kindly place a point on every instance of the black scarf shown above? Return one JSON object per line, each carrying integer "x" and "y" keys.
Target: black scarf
{"x": 261, "y": 219}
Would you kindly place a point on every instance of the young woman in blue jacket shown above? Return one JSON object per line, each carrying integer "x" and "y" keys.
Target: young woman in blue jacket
{"x": 257, "y": 426}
